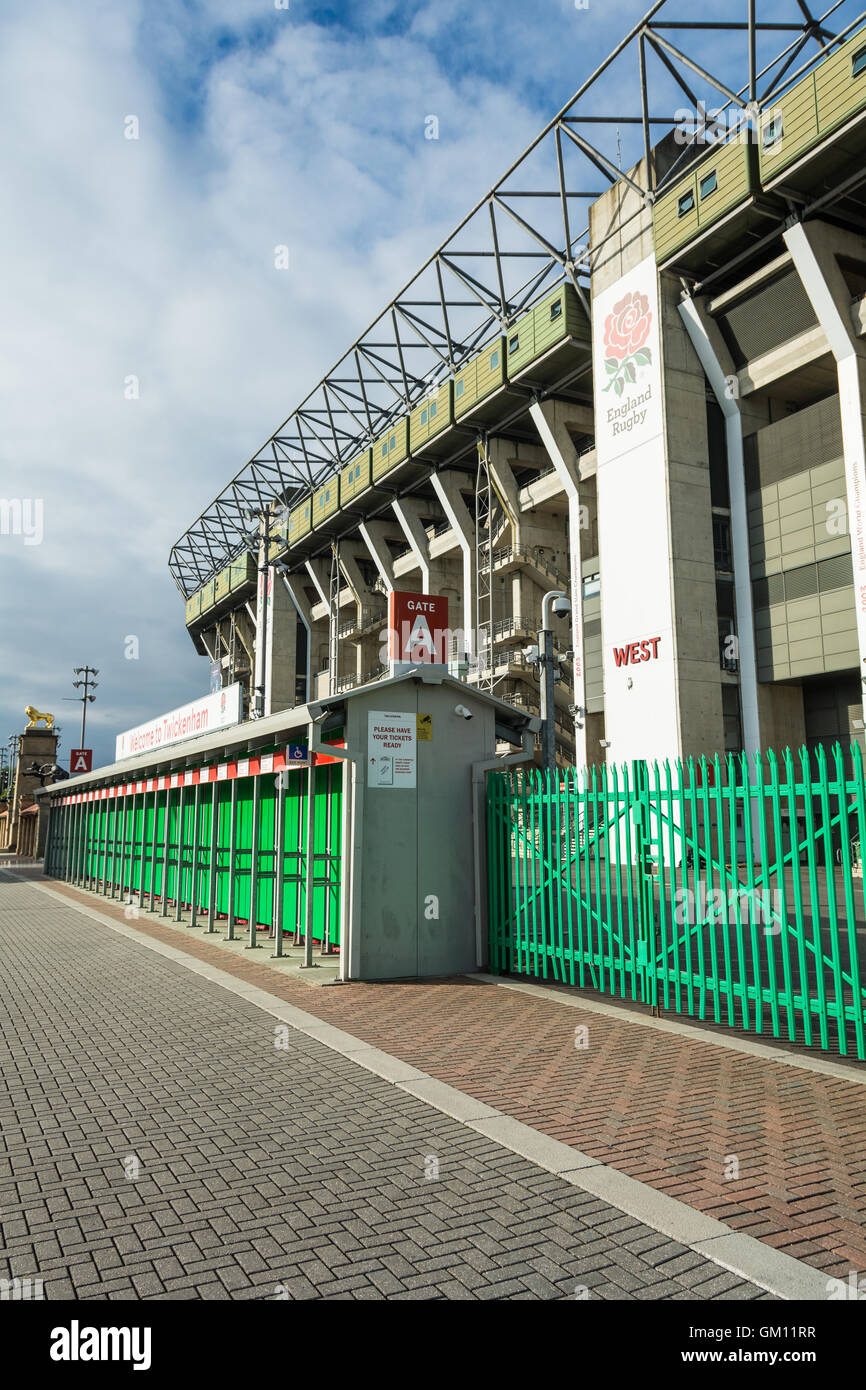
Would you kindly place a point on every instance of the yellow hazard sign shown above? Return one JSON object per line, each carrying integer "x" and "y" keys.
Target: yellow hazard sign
{"x": 425, "y": 728}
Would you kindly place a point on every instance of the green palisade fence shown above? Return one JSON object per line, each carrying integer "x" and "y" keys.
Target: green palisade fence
{"x": 729, "y": 891}
{"x": 174, "y": 848}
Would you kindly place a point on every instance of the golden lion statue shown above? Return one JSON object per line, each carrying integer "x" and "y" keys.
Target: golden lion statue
{"x": 36, "y": 718}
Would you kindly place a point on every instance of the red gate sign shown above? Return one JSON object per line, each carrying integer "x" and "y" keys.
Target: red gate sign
{"x": 80, "y": 760}
{"x": 418, "y": 626}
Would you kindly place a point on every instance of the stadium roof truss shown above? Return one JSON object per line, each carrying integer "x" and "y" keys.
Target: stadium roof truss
{"x": 528, "y": 234}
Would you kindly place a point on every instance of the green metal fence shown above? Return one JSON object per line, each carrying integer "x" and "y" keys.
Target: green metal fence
{"x": 231, "y": 849}
{"x": 729, "y": 891}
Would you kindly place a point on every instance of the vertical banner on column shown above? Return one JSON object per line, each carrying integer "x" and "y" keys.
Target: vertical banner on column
{"x": 582, "y": 754}
{"x": 640, "y": 697}
{"x": 261, "y": 675}
{"x": 269, "y": 637}
{"x": 852, "y": 401}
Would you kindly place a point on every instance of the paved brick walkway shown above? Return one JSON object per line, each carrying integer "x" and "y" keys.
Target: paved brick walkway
{"x": 157, "y": 1144}
{"x": 668, "y": 1111}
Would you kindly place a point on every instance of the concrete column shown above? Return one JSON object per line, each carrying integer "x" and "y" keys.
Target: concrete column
{"x": 350, "y": 552}
{"x": 319, "y": 572}
{"x": 446, "y": 487}
{"x": 814, "y": 247}
{"x": 281, "y": 647}
{"x": 505, "y": 483}
{"x": 367, "y": 601}
{"x": 374, "y": 534}
{"x": 321, "y": 581}
{"x": 408, "y": 513}
{"x": 719, "y": 371}
{"x": 549, "y": 420}
{"x": 295, "y": 589}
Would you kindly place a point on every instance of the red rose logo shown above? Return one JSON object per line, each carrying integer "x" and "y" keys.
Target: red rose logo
{"x": 627, "y": 328}
{"x": 625, "y": 333}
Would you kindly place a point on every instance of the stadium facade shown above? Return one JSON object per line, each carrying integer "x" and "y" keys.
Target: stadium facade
{"x": 645, "y": 385}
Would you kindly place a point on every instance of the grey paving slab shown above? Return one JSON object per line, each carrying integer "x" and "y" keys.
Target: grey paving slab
{"x": 155, "y": 1142}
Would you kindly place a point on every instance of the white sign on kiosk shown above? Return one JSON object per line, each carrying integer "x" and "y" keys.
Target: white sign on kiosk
{"x": 204, "y": 716}
{"x": 391, "y": 749}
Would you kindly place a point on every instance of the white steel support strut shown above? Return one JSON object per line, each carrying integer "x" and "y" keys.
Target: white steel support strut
{"x": 551, "y": 438}
{"x": 699, "y": 333}
{"x": 812, "y": 249}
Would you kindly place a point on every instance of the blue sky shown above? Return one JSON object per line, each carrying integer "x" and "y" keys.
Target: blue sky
{"x": 151, "y": 261}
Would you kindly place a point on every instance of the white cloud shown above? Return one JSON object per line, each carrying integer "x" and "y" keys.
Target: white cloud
{"x": 154, "y": 258}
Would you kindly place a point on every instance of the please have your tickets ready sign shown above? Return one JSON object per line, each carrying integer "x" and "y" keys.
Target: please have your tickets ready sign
{"x": 391, "y": 749}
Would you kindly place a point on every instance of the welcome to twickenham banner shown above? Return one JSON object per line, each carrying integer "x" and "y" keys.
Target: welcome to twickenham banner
{"x": 204, "y": 716}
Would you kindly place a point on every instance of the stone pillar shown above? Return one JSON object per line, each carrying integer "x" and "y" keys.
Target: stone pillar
{"x": 34, "y": 746}
{"x": 447, "y": 489}
{"x": 281, "y": 648}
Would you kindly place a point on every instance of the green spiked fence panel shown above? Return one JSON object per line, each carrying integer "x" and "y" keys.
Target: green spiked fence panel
{"x": 243, "y": 856}
{"x": 209, "y": 846}
{"x": 224, "y": 843}
{"x": 265, "y": 853}
{"x": 171, "y": 871}
{"x": 327, "y": 854}
{"x": 729, "y": 891}
{"x": 293, "y": 875}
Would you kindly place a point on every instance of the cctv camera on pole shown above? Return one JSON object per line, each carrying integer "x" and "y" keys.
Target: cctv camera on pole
{"x": 561, "y": 606}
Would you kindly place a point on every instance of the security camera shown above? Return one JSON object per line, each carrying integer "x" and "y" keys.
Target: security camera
{"x": 530, "y": 653}
{"x": 562, "y": 607}
{"x": 463, "y": 711}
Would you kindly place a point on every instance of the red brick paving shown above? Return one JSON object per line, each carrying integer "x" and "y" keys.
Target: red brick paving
{"x": 667, "y": 1110}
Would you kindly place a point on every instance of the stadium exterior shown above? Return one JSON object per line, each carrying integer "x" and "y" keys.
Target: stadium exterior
{"x": 644, "y": 385}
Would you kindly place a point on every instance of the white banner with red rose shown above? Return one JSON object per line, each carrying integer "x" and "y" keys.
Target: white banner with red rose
{"x": 640, "y": 696}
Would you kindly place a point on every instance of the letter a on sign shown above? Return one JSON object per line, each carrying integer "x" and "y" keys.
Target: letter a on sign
{"x": 418, "y": 626}
{"x": 80, "y": 760}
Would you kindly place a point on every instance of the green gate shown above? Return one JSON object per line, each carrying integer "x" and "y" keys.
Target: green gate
{"x": 729, "y": 891}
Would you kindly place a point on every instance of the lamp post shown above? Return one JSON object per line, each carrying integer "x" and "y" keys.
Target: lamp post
{"x": 13, "y": 760}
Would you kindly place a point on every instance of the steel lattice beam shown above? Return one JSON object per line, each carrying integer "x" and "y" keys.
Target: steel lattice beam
{"x": 500, "y": 260}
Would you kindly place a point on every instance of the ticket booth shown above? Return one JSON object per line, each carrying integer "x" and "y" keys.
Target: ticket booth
{"x": 417, "y": 749}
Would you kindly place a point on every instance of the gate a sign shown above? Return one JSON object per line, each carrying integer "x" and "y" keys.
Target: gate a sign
{"x": 80, "y": 760}
{"x": 418, "y": 630}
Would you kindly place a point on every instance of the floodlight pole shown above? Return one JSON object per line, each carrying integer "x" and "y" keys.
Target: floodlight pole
{"x": 14, "y": 742}
{"x": 88, "y": 672}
